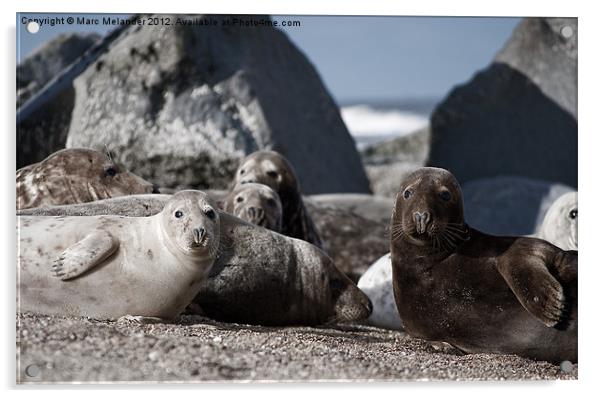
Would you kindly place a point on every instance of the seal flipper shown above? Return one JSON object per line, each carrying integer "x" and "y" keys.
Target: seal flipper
{"x": 84, "y": 255}
{"x": 535, "y": 288}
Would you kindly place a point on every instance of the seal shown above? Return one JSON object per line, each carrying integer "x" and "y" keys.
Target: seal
{"x": 111, "y": 266}
{"x": 265, "y": 278}
{"x": 257, "y": 204}
{"x": 259, "y": 276}
{"x": 75, "y": 175}
{"x": 377, "y": 284}
{"x": 272, "y": 169}
{"x": 559, "y": 226}
{"x": 478, "y": 292}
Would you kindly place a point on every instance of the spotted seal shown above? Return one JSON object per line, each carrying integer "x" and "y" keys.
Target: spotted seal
{"x": 75, "y": 175}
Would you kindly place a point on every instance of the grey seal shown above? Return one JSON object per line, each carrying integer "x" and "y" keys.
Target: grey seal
{"x": 478, "y": 292}
{"x": 112, "y": 266}
{"x": 559, "y": 226}
{"x": 257, "y": 204}
{"x": 75, "y": 175}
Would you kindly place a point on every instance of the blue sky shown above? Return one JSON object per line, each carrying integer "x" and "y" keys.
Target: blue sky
{"x": 371, "y": 58}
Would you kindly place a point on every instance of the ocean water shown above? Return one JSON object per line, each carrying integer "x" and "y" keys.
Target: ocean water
{"x": 370, "y": 122}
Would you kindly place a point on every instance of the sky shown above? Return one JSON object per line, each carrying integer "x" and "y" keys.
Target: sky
{"x": 369, "y": 58}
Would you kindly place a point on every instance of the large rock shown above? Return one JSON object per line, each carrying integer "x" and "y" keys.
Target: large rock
{"x": 388, "y": 163}
{"x": 353, "y": 240}
{"x": 371, "y": 207}
{"x": 45, "y": 131}
{"x": 182, "y": 105}
{"x": 518, "y": 116}
{"x": 509, "y": 205}
{"x": 46, "y": 62}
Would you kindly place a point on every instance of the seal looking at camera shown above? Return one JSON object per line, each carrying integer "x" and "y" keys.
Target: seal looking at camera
{"x": 112, "y": 266}
{"x": 257, "y": 204}
{"x": 480, "y": 293}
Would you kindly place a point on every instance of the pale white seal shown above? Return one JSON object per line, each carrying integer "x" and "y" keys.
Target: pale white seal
{"x": 377, "y": 283}
{"x": 559, "y": 226}
{"x": 111, "y": 266}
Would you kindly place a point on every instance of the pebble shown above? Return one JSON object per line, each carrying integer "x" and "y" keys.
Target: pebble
{"x": 153, "y": 356}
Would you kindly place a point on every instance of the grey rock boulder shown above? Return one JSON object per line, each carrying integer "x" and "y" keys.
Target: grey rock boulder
{"x": 44, "y": 63}
{"x": 182, "y": 105}
{"x": 509, "y": 205}
{"x": 388, "y": 163}
{"x": 351, "y": 238}
{"x": 45, "y": 131}
{"x": 518, "y": 116}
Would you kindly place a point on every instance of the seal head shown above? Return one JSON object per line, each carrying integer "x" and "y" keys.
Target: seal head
{"x": 191, "y": 224}
{"x": 559, "y": 226}
{"x": 257, "y": 204}
{"x": 76, "y": 175}
{"x": 429, "y": 210}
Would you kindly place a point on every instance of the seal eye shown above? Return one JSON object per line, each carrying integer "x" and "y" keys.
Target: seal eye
{"x": 110, "y": 171}
{"x": 445, "y": 195}
{"x": 242, "y": 171}
{"x": 407, "y": 193}
{"x": 178, "y": 214}
{"x": 573, "y": 214}
{"x": 210, "y": 213}
{"x": 271, "y": 202}
{"x": 272, "y": 174}
{"x": 239, "y": 199}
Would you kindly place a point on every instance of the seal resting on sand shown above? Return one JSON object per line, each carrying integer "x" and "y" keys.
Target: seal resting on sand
{"x": 112, "y": 266}
{"x": 478, "y": 292}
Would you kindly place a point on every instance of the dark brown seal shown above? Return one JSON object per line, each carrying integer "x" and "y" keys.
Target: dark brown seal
{"x": 272, "y": 169}
{"x": 257, "y": 204}
{"x": 480, "y": 293}
{"x": 75, "y": 175}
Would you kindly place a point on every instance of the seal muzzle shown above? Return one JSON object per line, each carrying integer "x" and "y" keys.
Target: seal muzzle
{"x": 422, "y": 220}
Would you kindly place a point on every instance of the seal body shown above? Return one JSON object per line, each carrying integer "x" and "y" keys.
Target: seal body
{"x": 265, "y": 278}
{"x": 272, "y": 169}
{"x": 377, "y": 284}
{"x": 257, "y": 204}
{"x": 478, "y": 292}
{"x": 559, "y": 226}
{"x": 75, "y": 175}
{"x": 111, "y": 266}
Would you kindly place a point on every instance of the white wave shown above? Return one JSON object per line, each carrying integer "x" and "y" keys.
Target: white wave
{"x": 365, "y": 121}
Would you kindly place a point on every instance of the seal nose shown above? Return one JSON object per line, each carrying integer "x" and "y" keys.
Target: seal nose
{"x": 155, "y": 189}
{"x": 199, "y": 234}
{"x": 255, "y": 213}
{"x": 422, "y": 220}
